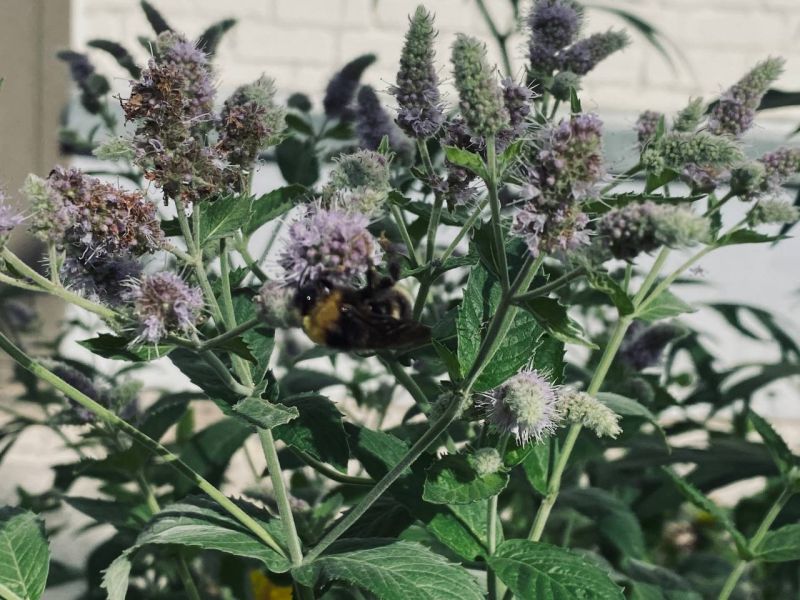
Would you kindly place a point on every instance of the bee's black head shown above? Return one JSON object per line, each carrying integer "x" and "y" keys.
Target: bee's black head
{"x": 308, "y": 295}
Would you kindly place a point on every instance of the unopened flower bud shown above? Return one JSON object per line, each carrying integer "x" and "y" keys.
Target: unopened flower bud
{"x": 359, "y": 183}
{"x": 486, "y": 461}
{"x": 585, "y": 410}
{"x": 481, "y": 99}
{"x": 773, "y": 211}
{"x": 689, "y": 117}
{"x": 115, "y": 149}
{"x": 563, "y": 82}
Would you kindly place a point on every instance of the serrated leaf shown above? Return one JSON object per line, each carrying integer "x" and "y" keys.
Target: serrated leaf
{"x": 199, "y": 523}
{"x": 539, "y": 571}
{"x": 452, "y": 480}
{"x": 696, "y": 497}
{"x": 272, "y": 205}
{"x": 317, "y": 431}
{"x": 464, "y": 158}
{"x": 778, "y": 449}
{"x": 481, "y": 298}
{"x": 24, "y": 554}
{"x": 223, "y": 217}
{"x": 393, "y": 570}
{"x": 665, "y": 306}
{"x": 118, "y": 348}
{"x": 509, "y": 156}
{"x": 780, "y": 545}
{"x": 264, "y": 414}
{"x": 553, "y": 317}
{"x": 747, "y": 236}
{"x": 203, "y": 377}
{"x": 602, "y": 282}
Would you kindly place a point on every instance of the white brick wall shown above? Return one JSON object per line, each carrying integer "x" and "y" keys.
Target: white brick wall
{"x": 302, "y": 42}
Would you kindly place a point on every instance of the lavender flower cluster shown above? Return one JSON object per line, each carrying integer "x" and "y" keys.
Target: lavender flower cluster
{"x": 172, "y": 108}
{"x": 567, "y": 165}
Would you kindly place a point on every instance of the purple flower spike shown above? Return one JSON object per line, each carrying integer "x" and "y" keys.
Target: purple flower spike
{"x": 164, "y": 303}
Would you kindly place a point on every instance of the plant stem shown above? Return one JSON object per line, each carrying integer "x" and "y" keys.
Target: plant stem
{"x": 330, "y": 472}
{"x": 401, "y": 225}
{"x": 230, "y": 334}
{"x": 56, "y": 290}
{"x": 465, "y": 229}
{"x": 436, "y": 213}
{"x": 140, "y": 438}
{"x": 492, "y": 525}
{"x": 499, "y": 37}
{"x": 422, "y": 295}
{"x": 407, "y": 382}
{"x": 420, "y": 446}
{"x": 183, "y": 569}
{"x": 711, "y": 210}
{"x": 281, "y": 496}
{"x": 494, "y": 204}
{"x": 651, "y": 277}
{"x": 552, "y": 286}
{"x": 667, "y": 281}
{"x": 52, "y": 260}
{"x": 241, "y": 246}
{"x": 755, "y": 542}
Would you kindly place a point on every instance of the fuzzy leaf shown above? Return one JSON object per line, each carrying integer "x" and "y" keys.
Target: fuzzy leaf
{"x": 119, "y": 348}
{"x": 223, "y": 217}
{"x": 24, "y": 555}
{"x": 264, "y": 414}
{"x": 780, "y": 545}
{"x": 536, "y": 466}
{"x": 665, "y": 306}
{"x": 747, "y": 236}
{"x": 452, "y": 480}
{"x": 469, "y": 160}
{"x": 602, "y": 282}
{"x": 393, "y": 570}
{"x": 318, "y": 430}
{"x": 272, "y": 205}
{"x": 553, "y": 317}
{"x": 539, "y": 571}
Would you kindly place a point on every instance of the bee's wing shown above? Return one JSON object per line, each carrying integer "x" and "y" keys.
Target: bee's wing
{"x": 384, "y": 331}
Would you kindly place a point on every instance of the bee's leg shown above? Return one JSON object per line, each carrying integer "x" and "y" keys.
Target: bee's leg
{"x": 394, "y": 271}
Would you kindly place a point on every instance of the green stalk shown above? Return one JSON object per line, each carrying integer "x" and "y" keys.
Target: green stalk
{"x": 329, "y": 471}
{"x": 436, "y": 214}
{"x": 140, "y": 438}
{"x": 52, "y": 260}
{"x": 183, "y": 569}
{"x": 494, "y": 204}
{"x": 493, "y": 524}
{"x": 651, "y": 277}
{"x": 667, "y": 281}
{"x": 465, "y": 229}
{"x": 230, "y": 334}
{"x": 553, "y": 286}
{"x": 621, "y": 178}
{"x": 420, "y": 446}
{"x": 407, "y": 382}
{"x": 401, "y": 225}
{"x": 422, "y": 295}
{"x": 500, "y": 38}
{"x": 755, "y": 542}
{"x": 56, "y": 290}
{"x": 241, "y": 246}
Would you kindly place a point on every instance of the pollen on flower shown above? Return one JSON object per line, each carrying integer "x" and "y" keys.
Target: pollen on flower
{"x": 525, "y": 407}
{"x": 329, "y": 244}
{"x": 163, "y": 303}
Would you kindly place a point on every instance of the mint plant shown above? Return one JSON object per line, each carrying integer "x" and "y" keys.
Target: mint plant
{"x": 450, "y": 258}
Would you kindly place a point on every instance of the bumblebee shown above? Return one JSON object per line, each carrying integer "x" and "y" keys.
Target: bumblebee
{"x": 375, "y": 317}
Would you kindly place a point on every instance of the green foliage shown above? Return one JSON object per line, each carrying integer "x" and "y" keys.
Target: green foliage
{"x": 24, "y": 555}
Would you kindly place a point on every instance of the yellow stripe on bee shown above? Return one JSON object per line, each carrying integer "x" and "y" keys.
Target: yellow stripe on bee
{"x": 324, "y": 314}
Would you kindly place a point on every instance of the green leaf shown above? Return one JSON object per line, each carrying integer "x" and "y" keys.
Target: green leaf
{"x": 298, "y": 123}
{"x": 602, "y": 282}
{"x": 272, "y": 205}
{"x": 113, "y": 512}
{"x": 157, "y": 22}
{"x": 469, "y": 160}
{"x": 120, "y": 54}
{"x": 318, "y": 430}
{"x": 223, "y": 217}
{"x": 553, "y": 317}
{"x": 24, "y": 555}
{"x": 119, "y": 348}
{"x": 696, "y": 497}
{"x": 536, "y": 466}
{"x": 780, "y": 545}
{"x": 665, "y": 306}
{"x": 614, "y": 519}
{"x": 452, "y": 480}
{"x": 538, "y": 571}
{"x": 162, "y": 415}
{"x": 392, "y": 570}
{"x": 199, "y": 523}
{"x": 652, "y": 581}
{"x": 628, "y": 407}
{"x": 747, "y": 236}
{"x": 481, "y": 298}
{"x": 264, "y": 414}
{"x": 510, "y": 156}
{"x": 778, "y": 449}
{"x": 297, "y": 161}
{"x": 574, "y": 102}
{"x": 211, "y": 37}
{"x": 204, "y": 377}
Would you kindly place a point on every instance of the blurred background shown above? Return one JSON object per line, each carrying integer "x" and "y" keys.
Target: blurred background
{"x": 680, "y": 49}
